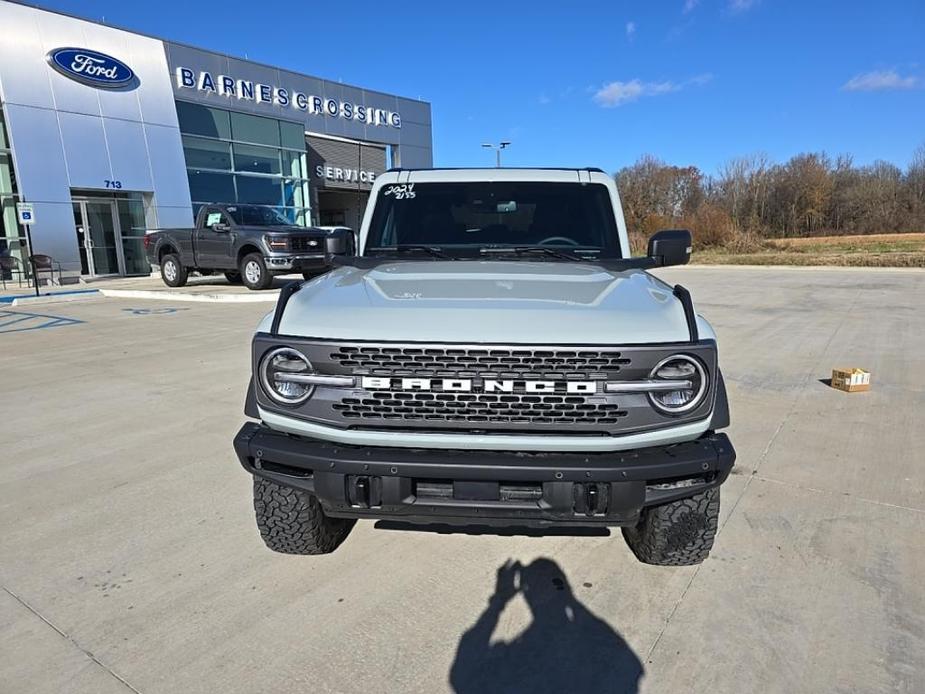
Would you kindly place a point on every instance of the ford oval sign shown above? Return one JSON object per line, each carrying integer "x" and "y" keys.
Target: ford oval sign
{"x": 92, "y": 67}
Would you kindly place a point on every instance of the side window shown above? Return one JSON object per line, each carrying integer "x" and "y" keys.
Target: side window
{"x": 214, "y": 217}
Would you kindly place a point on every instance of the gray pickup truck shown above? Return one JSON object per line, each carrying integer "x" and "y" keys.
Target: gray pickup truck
{"x": 248, "y": 243}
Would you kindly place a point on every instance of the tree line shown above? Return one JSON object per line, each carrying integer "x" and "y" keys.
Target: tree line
{"x": 752, "y": 198}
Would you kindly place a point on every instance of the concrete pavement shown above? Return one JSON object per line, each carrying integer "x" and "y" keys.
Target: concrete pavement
{"x": 129, "y": 560}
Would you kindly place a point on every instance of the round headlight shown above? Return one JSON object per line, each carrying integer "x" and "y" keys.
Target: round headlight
{"x": 282, "y": 373}
{"x": 681, "y": 369}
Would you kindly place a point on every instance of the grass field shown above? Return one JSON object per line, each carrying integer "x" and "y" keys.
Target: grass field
{"x": 875, "y": 250}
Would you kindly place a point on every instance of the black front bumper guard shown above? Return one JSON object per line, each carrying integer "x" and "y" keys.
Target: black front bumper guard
{"x": 485, "y": 487}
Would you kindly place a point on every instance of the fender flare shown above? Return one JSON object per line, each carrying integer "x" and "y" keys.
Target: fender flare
{"x": 720, "y": 417}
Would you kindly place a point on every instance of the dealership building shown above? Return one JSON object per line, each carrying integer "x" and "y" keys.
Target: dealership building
{"x": 106, "y": 133}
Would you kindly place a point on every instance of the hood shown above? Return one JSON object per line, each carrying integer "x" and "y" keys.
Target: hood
{"x": 490, "y": 301}
{"x": 290, "y": 230}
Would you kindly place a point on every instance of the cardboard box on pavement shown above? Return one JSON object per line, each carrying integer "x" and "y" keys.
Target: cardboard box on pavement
{"x": 851, "y": 380}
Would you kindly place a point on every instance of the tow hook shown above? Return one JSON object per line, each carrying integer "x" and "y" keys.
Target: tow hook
{"x": 364, "y": 491}
{"x": 592, "y": 499}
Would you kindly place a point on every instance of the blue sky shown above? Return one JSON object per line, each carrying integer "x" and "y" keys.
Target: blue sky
{"x": 596, "y": 83}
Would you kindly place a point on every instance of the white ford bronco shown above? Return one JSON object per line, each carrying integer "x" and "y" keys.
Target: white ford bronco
{"x": 491, "y": 356}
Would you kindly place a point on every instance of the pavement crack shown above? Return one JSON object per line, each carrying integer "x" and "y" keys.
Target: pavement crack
{"x": 807, "y": 379}
{"x": 828, "y": 492}
{"x": 70, "y": 639}
{"x": 671, "y": 614}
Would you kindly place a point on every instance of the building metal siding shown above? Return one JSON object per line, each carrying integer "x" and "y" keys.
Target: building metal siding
{"x": 353, "y": 157}
{"x": 65, "y": 135}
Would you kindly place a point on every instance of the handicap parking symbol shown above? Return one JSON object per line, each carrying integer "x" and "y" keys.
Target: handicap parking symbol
{"x": 152, "y": 311}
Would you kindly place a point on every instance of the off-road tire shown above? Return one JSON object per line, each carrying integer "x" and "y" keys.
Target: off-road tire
{"x": 233, "y": 277}
{"x": 262, "y": 279}
{"x": 679, "y": 533}
{"x": 293, "y": 522}
{"x": 172, "y": 271}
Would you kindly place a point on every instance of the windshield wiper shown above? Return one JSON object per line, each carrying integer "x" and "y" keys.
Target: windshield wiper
{"x": 411, "y": 248}
{"x": 526, "y": 250}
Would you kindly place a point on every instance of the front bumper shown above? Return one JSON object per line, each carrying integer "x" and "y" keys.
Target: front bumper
{"x": 485, "y": 487}
{"x": 295, "y": 263}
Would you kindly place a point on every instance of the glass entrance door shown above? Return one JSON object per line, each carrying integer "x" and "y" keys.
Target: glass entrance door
{"x": 98, "y": 235}
{"x": 132, "y": 229}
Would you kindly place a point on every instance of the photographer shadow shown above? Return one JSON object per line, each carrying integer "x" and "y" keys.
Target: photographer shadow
{"x": 566, "y": 648}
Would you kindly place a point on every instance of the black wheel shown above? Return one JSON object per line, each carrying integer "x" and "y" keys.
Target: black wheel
{"x": 293, "y": 522}
{"x": 679, "y": 533}
{"x": 233, "y": 277}
{"x": 254, "y": 272}
{"x": 172, "y": 271}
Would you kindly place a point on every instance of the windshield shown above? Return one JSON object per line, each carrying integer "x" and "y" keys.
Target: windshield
{"x": 255, "y": 216}
{"x": 465, "y": 218}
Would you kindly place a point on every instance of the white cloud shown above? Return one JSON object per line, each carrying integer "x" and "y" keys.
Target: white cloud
{"x": 742, "y": 5}
{"x": 615, "y": 94}
{"x": 618, "y": 93}
{"x": 690, "y": 5}
{"x": 880, "y": 80}
{"x": 630, "y": 30}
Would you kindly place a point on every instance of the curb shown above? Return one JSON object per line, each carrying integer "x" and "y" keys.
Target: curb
{"x": 262, "y": 297}
{"x": 87, "y": 295}
{"x": 814, "y": 268}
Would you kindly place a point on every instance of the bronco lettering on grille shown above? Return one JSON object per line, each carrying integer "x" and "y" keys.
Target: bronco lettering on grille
{"x": 467, "y": 385}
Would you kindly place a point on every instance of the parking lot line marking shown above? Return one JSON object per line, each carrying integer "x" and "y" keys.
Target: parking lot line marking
{"x": 67, "y": 637}
{"x": 15, "y": 320}
{"x": 33, "y": 321}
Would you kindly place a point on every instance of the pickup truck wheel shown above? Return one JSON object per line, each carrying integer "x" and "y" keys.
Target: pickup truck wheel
{"x": 172, "y": 271}
{"x": 254, "y": 272}
{"x": 679, "y": 533}
{"x": 293, "y": 522}
{"x": 233, "y": 277}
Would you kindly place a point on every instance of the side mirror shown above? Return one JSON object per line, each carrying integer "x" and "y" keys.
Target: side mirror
{"x": 670, "y": 247}
{"x": 339, "y": 242}
{"x": 220, "y": 227}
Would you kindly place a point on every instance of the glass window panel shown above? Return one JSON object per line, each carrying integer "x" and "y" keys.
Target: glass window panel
{"x": 133, "y": 251}
{"x": 302, "y": 217}
{"x": 131, "y": 217}
{"x": 211, "y": 187}
{"x": 258, "y": 190}
{"x": 295, "y": 192}
{"x": 207, "y": 154}
{"x": 202, "y": 120}
{"x": 256, "y": 159}
{"x": 246, "y": 128}
{"x": 288, "y": 213}
{"x": 6, "y": 174}
{"x": 292, "y": 135}
{"x": 294, "y": 164}
{"x": 9, "y": 224}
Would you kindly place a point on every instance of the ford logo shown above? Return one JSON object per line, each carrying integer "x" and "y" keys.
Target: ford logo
{"x": 92, "y": 67}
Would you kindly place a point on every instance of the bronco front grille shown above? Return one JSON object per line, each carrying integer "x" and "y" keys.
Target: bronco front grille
{"x": 483, "y": 387}
{"x": 513, "y": 409}
{"x": 479, "y": 363}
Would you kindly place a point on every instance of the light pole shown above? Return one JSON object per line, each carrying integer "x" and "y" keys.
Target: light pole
{"x": 498, "y": 147}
